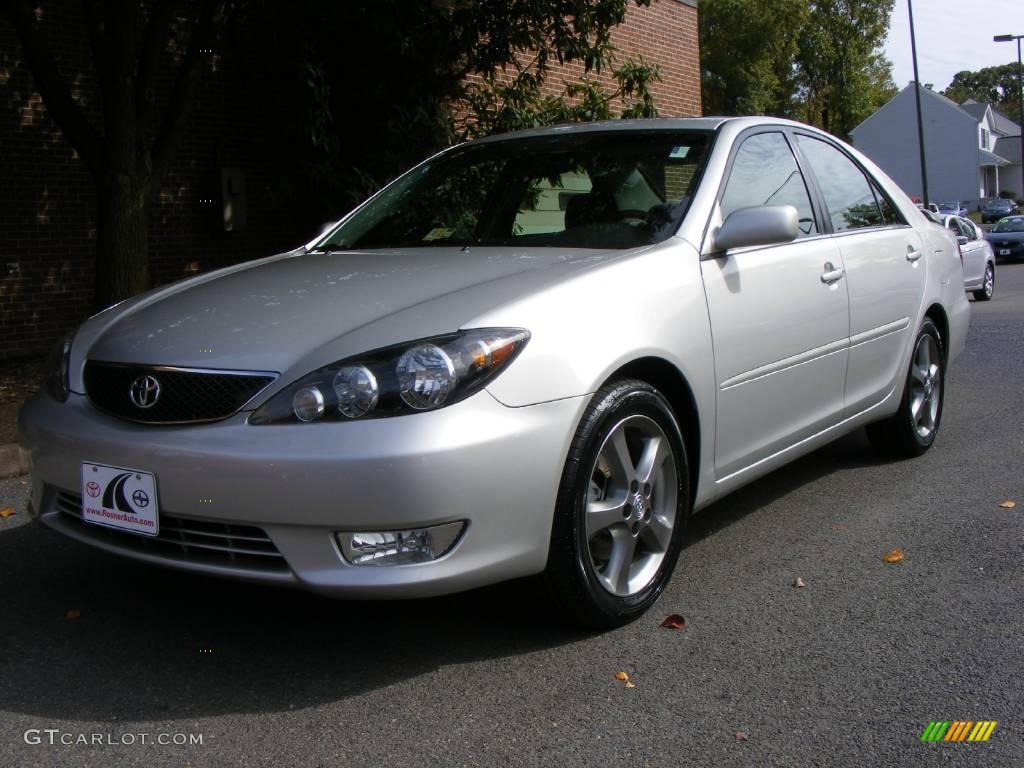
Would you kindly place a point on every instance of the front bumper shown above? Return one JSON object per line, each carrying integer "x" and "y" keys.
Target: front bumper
{"x": 231, "y": 495}
{"x": 1012, "y": 250}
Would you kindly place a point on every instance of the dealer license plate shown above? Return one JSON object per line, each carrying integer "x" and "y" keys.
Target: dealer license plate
{"x": 121, "y": 498}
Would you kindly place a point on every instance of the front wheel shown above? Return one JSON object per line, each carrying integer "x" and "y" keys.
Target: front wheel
{"x": 622, "y": 508}
{"x": 912, "y": 429}
{"x": 988, "y": 284}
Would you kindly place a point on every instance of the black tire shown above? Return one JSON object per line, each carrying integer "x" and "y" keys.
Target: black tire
{"x": 988, "y": 285}
{"x": 572, "y": 580}
{"x": 900, "y": 435}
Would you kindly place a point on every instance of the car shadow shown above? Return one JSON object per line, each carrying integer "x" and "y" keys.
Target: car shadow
{"x": 152, "y": 644}
{"x": 848, "y": 452}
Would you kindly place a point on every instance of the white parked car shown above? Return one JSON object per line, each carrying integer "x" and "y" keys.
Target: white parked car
{"x": 534, "y": 354}
{"x": 977, "y": 255}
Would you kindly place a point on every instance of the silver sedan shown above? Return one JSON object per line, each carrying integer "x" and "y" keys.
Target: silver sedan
{"x": 977, "y": 256}
{"x": 532, "y": 355}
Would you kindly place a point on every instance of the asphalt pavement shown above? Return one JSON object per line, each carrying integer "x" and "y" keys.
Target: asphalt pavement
{"x": 845, "y": 671}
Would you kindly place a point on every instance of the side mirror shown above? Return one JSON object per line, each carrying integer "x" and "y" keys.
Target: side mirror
{"x": 759, "y": 225}
{"x": 961, "y": 240}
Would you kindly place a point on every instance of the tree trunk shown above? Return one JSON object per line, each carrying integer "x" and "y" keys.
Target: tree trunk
{"x": 122, "y": 256}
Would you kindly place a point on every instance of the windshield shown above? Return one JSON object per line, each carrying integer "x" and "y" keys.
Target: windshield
{"x": 1014, "y": 224}
{"x": 580, "y": 190}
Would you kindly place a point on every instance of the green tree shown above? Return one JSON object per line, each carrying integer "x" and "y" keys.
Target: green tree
{"x": 816, "y": 60}
{"x": 141, "y": 120}
{"x": 364, "y": 88}
{"x": 748, "y": 55}
{"x": 441, "y": 71}
{"x": 997, "y": 86}
{"x": 843, "y": 74}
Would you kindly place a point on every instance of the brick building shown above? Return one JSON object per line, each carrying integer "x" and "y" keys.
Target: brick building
{"x": 47, "y": 199}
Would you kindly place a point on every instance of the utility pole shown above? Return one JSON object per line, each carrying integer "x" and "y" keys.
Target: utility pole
{"x": 1020, "y": 98}
{"x": 917, "y": 97}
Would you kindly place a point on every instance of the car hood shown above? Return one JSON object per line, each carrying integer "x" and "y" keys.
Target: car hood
{"x": 1005, "y": 237}
{"x": 271, "y": 314}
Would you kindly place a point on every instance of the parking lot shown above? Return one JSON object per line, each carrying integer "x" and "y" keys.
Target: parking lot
{"x": 847, "y": 670}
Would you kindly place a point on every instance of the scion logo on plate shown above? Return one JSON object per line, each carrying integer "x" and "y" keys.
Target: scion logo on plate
{"x": 145, "y": 391}
{"x": 119, "y": 497}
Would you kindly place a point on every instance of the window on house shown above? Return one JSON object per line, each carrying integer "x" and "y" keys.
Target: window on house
{"x": 984, "y": 138}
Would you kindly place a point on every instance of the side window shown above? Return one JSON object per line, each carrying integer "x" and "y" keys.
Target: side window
{"x": 764, "y": 172}
{"x": 889, "y": 213}
{"x": 850, "y": 200}
{"x": 968, "y": 229}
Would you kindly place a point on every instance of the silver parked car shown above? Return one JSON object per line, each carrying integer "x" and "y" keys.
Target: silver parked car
{"x": 534, "y": 354}
{"x": 977, "y": 256}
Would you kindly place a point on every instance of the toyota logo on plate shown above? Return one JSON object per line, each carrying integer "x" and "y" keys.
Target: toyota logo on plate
{"x": 145, "y": 391}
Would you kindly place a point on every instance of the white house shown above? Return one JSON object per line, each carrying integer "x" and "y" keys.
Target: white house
{"x": 972, "y": 151}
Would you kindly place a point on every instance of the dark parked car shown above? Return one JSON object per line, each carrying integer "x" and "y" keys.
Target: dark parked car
{"x": 996, "y": 209}
{"x": 1007, "y": 238}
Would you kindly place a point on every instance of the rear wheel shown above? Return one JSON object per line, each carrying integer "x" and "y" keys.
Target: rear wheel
{"x": 988, "y": 284}
{"x": 621, "y": 510}
{"x": 912, "y": 429}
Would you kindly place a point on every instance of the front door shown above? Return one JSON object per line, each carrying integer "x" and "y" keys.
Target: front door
{"x": 779, "y": 317}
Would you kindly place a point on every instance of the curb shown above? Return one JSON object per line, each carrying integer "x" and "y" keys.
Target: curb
{"x": 14, "y": 461}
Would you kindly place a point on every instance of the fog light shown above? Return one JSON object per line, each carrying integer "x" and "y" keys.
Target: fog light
{"x": 418, "y": 545}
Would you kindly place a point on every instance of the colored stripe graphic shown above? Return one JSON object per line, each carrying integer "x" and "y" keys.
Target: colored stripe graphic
{"x": 959, "y": 730}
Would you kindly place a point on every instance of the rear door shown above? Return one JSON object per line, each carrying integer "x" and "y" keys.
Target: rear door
{"x": 780, "y": 331}
{"x": 885, "y": 270}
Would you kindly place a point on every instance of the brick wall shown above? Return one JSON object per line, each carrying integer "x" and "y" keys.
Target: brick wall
{"x": 664, "y": 33}
{"x": 47, "y": 201}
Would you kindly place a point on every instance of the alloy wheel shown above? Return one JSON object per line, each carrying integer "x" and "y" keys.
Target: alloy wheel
{"x": 926, "y": 386}
{"x": 631, "y": 506}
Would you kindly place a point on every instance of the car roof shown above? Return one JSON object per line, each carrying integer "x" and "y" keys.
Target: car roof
{"x": 641, "y": 124}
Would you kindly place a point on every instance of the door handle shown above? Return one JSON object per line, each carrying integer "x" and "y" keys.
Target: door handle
{"x": 912, "y": 253}
{"x": 831, "y": 273}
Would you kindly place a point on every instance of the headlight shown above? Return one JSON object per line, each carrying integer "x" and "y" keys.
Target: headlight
{"x": 418, "y": 376}
{"x": 58, "y": 367}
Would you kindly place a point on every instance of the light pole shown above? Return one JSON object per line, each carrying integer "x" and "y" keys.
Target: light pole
{"x": 1020, "y": 97}
{"x": 917, "y": 101}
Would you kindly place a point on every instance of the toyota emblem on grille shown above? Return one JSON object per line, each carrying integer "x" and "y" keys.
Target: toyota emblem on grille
{"x": 145, "y": 391}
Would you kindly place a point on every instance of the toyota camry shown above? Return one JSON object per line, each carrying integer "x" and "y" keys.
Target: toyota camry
{"x": 532, "y": 355}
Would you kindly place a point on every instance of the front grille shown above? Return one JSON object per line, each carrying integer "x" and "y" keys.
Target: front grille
{"x": 185, "y": 394}
{"x": 239, "y": 547}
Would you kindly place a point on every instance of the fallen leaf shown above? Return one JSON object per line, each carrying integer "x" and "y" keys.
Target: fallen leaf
{"x": 799, "y": 583}
{"x": 674, "y": 621}
{"x": 840, "y": 526}
{"x": 72, "y": 614}
{"x": 1008, "y": 504}
{"x": 8, "y": 512}
{"x": 621, "y": 676}
{"x": 742, "y": 736}
{"x": 896, "y": 556}
{"x": 629, "y": 685}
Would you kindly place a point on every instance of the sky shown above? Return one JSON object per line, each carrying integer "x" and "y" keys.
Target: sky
{"x": 952, "y": 35}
